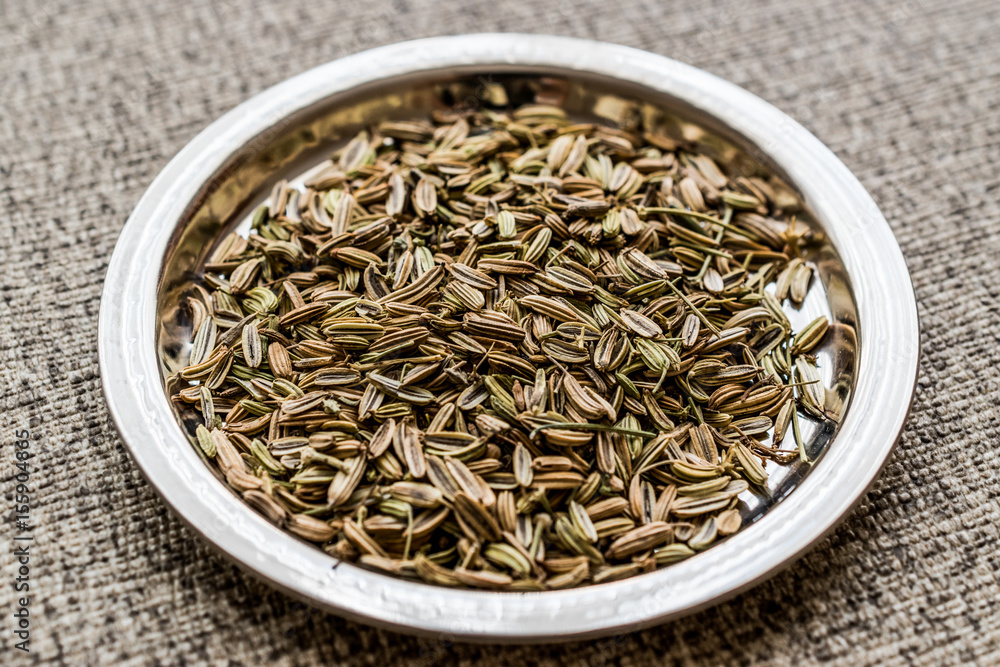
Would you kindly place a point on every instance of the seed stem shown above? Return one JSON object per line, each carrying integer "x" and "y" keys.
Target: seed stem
{"x": 700, "y": 315}
{"x": 580, "y": 426}
{"x": 798, "y": 438}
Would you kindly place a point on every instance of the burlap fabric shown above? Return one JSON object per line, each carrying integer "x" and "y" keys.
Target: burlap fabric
{"x": 96, "y": 97}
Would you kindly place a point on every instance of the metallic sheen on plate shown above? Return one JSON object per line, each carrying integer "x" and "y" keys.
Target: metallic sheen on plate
{"x": 867, "y": 353}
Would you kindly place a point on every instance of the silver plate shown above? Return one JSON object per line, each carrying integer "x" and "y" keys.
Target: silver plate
{"x": 209, "y": 187}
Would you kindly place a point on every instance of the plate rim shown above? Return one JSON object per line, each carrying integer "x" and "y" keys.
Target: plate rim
{"x": 881, "y": 286}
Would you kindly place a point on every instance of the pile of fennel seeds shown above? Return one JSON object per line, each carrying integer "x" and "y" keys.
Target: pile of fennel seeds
{"x": 507, "y": 350}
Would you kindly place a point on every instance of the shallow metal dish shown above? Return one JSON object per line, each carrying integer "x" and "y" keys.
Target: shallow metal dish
{"x": 230, "y": 167}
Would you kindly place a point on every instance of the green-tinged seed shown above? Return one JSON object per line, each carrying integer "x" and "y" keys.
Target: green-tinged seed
{"x": 205, "y": 441}
{"x": 810, "y": 336}
{"x": 504, "y": 349}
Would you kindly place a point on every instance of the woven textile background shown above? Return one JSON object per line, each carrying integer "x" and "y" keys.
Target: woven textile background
{"x": 96, "y": 97}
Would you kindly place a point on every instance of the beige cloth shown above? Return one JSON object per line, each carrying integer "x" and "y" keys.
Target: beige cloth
{"x": 98, "y": 96}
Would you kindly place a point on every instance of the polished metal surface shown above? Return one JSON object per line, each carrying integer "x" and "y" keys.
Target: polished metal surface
{"x": 869, "y": 364}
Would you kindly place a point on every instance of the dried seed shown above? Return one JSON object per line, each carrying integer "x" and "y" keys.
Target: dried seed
{"x": 811, "y": 390}
{"x": 704, "y": 535}
{"x": 522, "y": 465}
{"x": 810, "y": 335}
{"x": 640, "y": 539}
{"x": 360, "y": 539}
{"x": 455, "y": 310}
{"x": 416, "y": 494}
{"x": 752, "y": 468}
{"x": 690, "y": 507}
{"x": 799, "y": 285}
{"x": 781, "y": 421}
{"x": 690, "y": 330}
{"x": 728, "y": 522}
{"x": 475, "y": 514}
{"x": 471, "y": 276}
{"x": 582, "y": 522}
{"x": 310, "y": 528}
{"x": 641, "y": 324}
{"x": 267, "y": 506}
{"x": 204, "y": 341}
{"x": 206, "y": 441}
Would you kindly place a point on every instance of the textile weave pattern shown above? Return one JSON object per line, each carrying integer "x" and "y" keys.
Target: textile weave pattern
{"x": 98, "y": 95}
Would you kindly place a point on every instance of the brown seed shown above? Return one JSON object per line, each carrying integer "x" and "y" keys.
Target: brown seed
{"x": 522, "y": 465}
{"x": 310, "y": 528}
{"x": 360, "y": 539}
{"x": 440, "y": 476}
{"x": 641, "y": 324}
{"x": 477, "y": 517}
{"x": 278, "y": 360}
{"x": 640, "y": 539}
{"x": 416, "y": 494}
{"x": 482, "y": 579}
{"x": 509, "y": 351}
{"x": 382, "y": 438}
{"x": 267, "y": 506}
{"x": 729, "y": 522}
{"x": 690, "y": 330}
{"x": 691, "y": 194}
{"x": 204, "y": 341}
{"x": 413, "y": 451}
